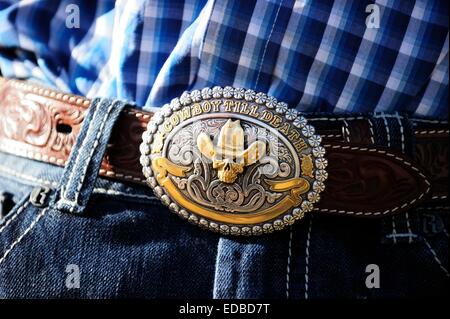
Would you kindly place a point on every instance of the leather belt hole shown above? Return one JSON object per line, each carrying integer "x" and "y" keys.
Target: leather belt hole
{"x": 63, "y": 128}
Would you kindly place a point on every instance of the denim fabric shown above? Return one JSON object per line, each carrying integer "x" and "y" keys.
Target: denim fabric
{"x": 126, "y": 244}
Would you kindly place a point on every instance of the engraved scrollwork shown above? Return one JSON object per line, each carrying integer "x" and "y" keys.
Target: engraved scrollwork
{"x": 61, "y": 113}
{"x": 32, "y": 119}
{"x": 248, "y": 192}
{"x": 25, "y": 119}
{"x": 182, "y": 154}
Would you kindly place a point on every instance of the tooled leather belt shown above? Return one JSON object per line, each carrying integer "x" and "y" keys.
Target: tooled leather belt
{"x": 369, "y": 173}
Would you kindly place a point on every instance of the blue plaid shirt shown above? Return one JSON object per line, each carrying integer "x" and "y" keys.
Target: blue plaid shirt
{"x": 314, "y": 55}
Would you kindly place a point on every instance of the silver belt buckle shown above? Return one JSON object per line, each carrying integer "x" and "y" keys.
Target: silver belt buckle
{"x": 234, "y": 161}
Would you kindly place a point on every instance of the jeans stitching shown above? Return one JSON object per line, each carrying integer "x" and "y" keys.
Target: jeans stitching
{"x": 99, "y": 134}
{"x": 438, "y": 261}
{"x": 77, "y": 158}
{"x": 402, "y": 133}
{"x": 98, "y": 190}
{"x": 9, "y": 171}
{"x": 394, "y": 230}
{"x": 372, "y": 134}
{"x": 433, "y": 208}
{"x": 408, "y": 225}
{"x": 60, "y": 162}
{"x": 20, "y": 238}
{"x": 288, "y": 268}
{"x": 307, "y": 258}
{"x": 105, "y": 191}
{"x": 386, "y": 126}
{"x": 445, "y": 231}
{"x": 402, "y": 235}
{"x": 430, "y": 121}
{"x": 13, "y": 217}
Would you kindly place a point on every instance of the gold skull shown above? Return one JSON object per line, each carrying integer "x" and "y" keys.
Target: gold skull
{"x": 230, "y": 157}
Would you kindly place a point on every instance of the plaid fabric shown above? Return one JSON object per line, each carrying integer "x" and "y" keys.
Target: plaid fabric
{"x": 315, "y": 55}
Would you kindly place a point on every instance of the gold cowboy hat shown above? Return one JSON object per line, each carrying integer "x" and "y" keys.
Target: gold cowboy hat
{"x": 231, "y": 145}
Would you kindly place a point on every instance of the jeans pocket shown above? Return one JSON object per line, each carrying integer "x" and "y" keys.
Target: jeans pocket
{"x": 13, "y": 199}
{"x": 19, "y": 221}
{"x": 119, "y": 248}
{"x": 432, "y": 225}
{"x": 414, "y": 251}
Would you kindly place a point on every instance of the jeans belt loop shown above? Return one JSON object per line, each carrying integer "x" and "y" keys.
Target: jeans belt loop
{"x": 80, "y": 174}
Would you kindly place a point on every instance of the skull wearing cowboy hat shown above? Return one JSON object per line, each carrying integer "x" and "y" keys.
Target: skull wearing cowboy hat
{"x": 230, "y": 157}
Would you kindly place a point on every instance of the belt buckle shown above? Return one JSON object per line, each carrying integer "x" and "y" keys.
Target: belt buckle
{"x": 234, "y": 161}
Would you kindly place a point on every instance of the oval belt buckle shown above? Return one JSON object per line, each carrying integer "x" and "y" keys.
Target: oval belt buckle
{"x": 233, "y": 161}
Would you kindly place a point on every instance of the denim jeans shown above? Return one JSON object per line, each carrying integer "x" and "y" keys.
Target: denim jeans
{"x": 123, "y": 243}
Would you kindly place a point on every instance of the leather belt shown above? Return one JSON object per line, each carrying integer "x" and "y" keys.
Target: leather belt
{"x": 364, "y": 178}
